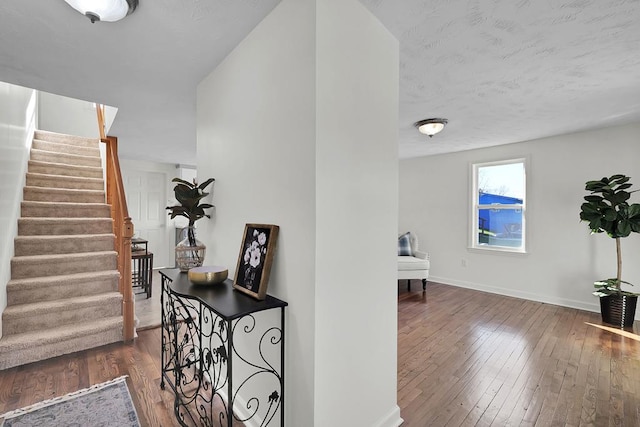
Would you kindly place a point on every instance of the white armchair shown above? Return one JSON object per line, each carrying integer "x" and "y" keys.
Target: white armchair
{"x": 413, "y": 266}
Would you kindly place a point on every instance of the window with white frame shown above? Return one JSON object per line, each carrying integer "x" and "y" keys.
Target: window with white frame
{"x": 498, "y": 205}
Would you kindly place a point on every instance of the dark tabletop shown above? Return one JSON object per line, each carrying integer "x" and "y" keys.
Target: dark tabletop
{"x": 221, "y": 298}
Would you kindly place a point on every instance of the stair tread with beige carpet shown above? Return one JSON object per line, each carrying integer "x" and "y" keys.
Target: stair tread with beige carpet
{"x": 63, "y": 294}
{"x": 64, "y": 158}
{"x": 26, "y": 266}
{"x": 69, "y": 243}
{"x": 65, "y": 209}
{"x": 20, "y": 349}
{"x": 64, "y": 181}
{"x": 49, "y": 168}
{"x": 33, "y": 226}
{"x": 44, "y": 194}
{"x": 35, "y": 289}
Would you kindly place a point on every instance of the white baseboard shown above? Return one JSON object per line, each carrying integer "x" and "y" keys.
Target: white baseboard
{"x": 392, "y": 419}
{"x": 548, "y": 299}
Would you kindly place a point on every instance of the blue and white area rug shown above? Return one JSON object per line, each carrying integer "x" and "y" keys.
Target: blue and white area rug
{"x": 106, "y": 404}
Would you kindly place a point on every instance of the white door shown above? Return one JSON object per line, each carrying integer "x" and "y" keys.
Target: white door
{"x": 146, "y": 202}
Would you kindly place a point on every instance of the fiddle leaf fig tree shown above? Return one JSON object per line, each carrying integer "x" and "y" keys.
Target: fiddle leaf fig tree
{"x": 607, "y": 210}
{"x": 189, "y": 196}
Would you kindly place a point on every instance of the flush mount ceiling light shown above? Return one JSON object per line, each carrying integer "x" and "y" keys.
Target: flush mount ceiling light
{"x": 430, "y": 126}
{"x": 104, "y": 10}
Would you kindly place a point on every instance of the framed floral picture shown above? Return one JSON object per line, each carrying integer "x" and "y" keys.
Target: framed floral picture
{"x": 254, "y": 262}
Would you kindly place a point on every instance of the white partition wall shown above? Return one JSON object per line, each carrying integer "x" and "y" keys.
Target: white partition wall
{"x": 299, "y": 127}
{"x": 356, "y": 210}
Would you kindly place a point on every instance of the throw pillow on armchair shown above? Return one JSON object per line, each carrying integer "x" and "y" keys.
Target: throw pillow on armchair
{"x": 404, "y": 245}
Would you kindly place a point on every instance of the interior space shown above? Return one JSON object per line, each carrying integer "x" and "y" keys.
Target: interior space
{"x": 320, "y": 213}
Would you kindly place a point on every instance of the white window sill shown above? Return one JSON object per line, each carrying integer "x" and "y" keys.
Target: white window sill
{"x": 497, "y": 250}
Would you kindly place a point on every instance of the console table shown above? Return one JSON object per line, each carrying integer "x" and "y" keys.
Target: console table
{"x": 211, "y": 335}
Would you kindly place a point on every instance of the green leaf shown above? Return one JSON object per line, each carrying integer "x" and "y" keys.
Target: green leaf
{"x": 189, "y": 196}
{"x": 206, "y": 183}
{"x": 621, "y": 196}
{"x": 594, "y": 185}
{"x": 589, "y": 207}
{"x": 624, "y": 228}
{"x": 593, "y": 198}
{"x": 595, "y": 224}
{"x": 183, "y": 182}
{"x": 610, "y": 214}
{"x": 633, "y": 210}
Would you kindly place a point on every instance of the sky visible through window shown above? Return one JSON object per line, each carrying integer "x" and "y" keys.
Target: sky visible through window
{"x": 503, "y": 180}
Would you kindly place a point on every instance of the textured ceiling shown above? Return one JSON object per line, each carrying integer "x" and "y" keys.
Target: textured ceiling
{"x": 510, "y": 71}
{"x": 500, "y": 71}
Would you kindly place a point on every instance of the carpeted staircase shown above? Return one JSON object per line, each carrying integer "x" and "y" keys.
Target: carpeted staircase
{"x": 63, "y": 293}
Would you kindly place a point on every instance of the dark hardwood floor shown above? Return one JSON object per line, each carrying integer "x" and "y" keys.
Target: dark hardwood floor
{"x": 465, "y": 358}
{"x": 468, "y": 358}
{"x": 140, "y": 360}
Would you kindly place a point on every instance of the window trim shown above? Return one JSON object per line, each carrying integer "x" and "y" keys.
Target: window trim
{"x": 475, "y": 207}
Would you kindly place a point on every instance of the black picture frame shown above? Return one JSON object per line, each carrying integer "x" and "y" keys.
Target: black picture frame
{"x": 255, "y": 259}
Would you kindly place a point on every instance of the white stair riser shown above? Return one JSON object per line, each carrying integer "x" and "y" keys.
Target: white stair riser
{"x": 37, "y": 227}
{"x": 22, "y": 269}
{"x": 56, "y": 210}
{"x": 56, "y": 147}
{"x": 67, "y": 159}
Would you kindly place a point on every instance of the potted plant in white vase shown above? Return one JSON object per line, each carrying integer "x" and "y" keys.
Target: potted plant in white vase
{"x": 607, "y": 210}
{"x": 190, "y": 251}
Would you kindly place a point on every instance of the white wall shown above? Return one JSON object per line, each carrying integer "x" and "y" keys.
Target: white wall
{"x": 280, "y": 127}
{"x": 563, "y": 259}
{"x": 18, "y": 118}
{"x": 255, "y": 136}
{"x": 356, "y": 218}
{"x": 70, "y": 116}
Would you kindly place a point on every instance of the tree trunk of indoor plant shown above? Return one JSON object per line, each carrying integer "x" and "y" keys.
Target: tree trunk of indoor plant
{"x": 618, "y": 310}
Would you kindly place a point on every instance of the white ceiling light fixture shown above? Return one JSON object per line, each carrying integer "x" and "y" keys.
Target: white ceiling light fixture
{"x": 104, "y": 10}
{"x": 431, "y": 126}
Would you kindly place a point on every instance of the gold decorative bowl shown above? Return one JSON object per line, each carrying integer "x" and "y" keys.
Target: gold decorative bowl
{"x": 208, "y": 275}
